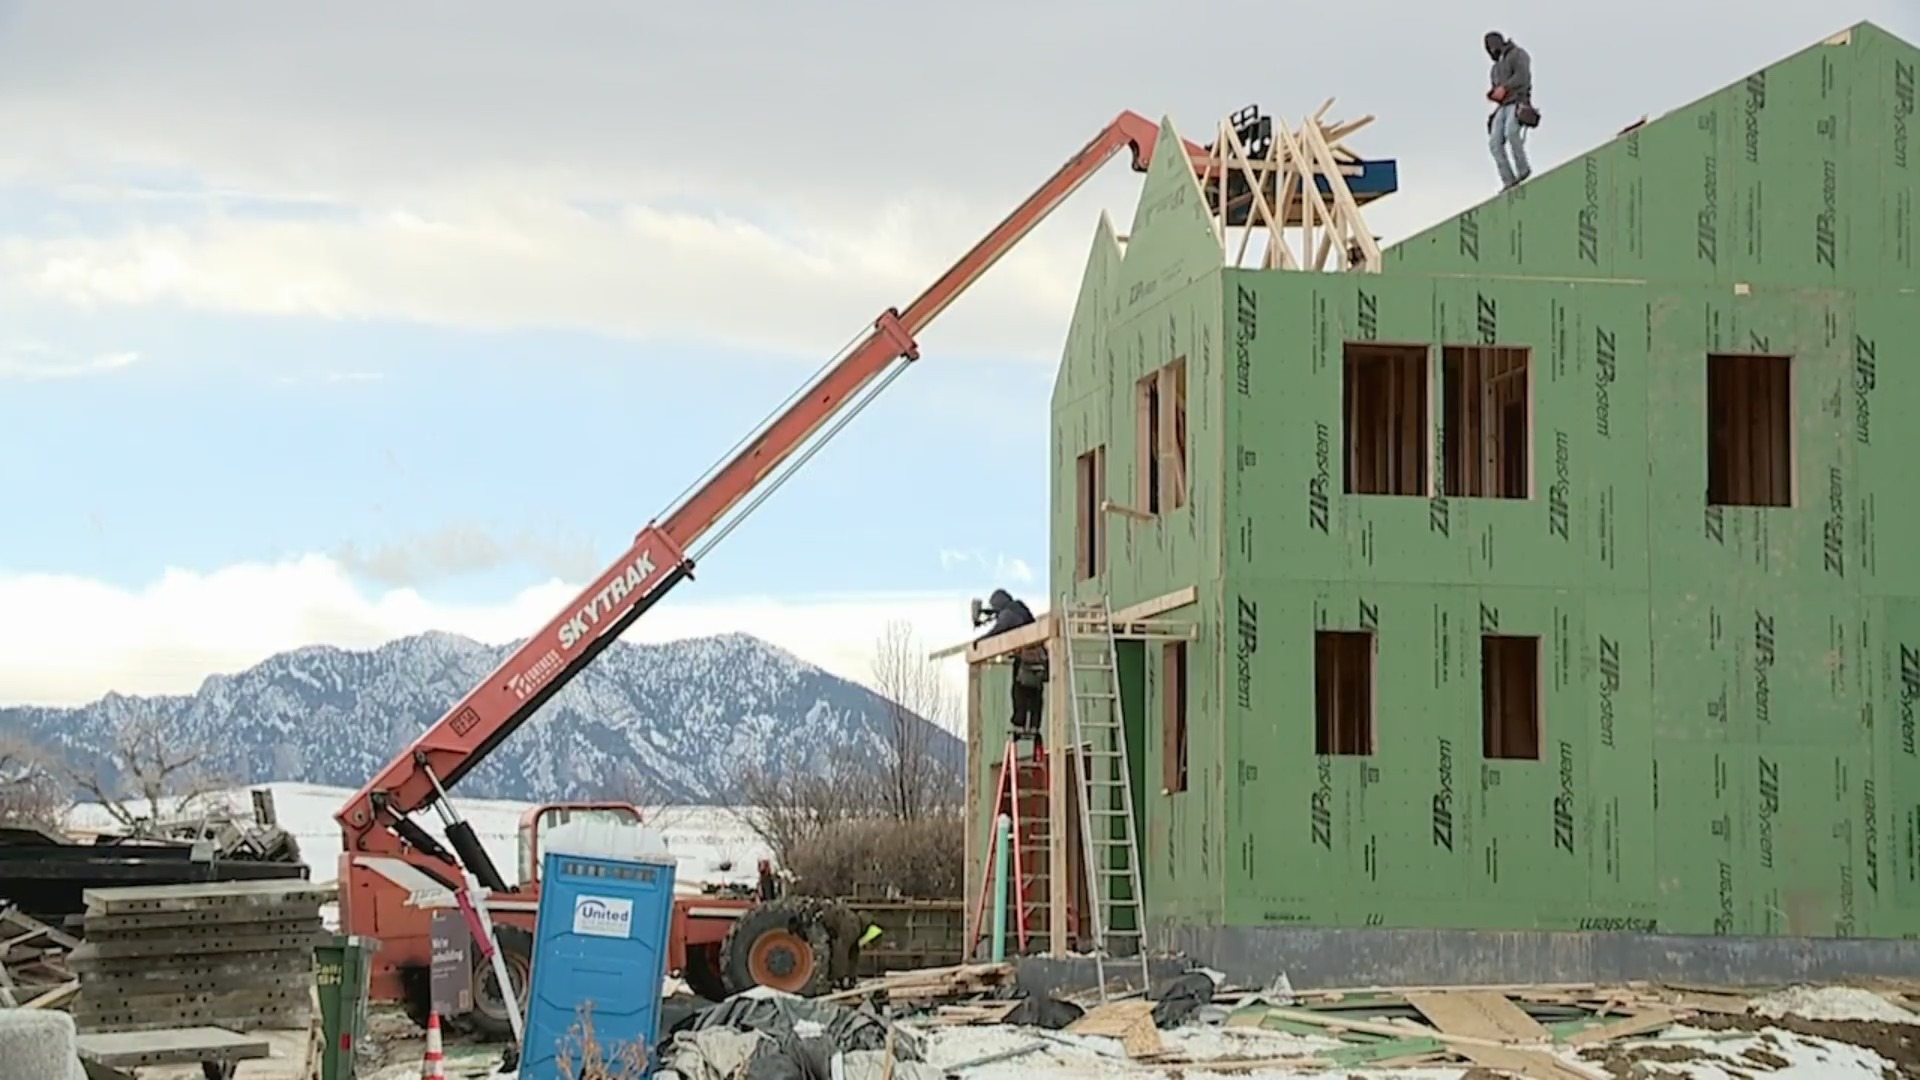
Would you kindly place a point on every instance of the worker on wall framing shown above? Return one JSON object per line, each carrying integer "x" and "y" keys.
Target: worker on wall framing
{"x": 1511, "y": 92}
{"x": 1029, "y": 663}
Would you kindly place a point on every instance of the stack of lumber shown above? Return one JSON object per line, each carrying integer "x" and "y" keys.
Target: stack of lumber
{"x": 928, "y": 985}
{"x": 235, "y": 955}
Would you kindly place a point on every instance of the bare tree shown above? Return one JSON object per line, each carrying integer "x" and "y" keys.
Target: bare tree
{"x": 151, "y": 776}
{"x": 893, "y": 819}
{"x": 32, "y": 792}
{"x": 632, "y": 784}
{"x": 790, "y": 808}
{"x": 920, "y": 710}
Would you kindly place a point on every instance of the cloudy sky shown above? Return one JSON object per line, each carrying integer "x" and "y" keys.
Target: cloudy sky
{"x": 335, "y": 322}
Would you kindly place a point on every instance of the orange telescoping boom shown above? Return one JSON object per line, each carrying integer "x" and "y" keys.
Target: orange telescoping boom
{"x": 376, "y": 820}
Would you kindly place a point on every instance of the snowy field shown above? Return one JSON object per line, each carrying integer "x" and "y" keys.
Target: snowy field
{"x": 713, "y": 844}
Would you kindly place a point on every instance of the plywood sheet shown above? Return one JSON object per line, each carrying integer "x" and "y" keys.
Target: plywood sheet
{"x": 1480, "y": 1013}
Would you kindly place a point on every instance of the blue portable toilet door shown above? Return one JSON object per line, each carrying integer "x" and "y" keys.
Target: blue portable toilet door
{"x": 600, "y": 938}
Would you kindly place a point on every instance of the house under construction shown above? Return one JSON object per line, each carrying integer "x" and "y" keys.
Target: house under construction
{"x": 1529, "y": 600}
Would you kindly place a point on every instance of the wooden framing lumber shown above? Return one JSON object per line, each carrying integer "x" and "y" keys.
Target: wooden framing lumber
{"x": 975, "y": 854}
{"x": 950, "y": 650}
{"x": 1282, "y": 184}
{"x": 999, "y": 645}
{"x": 1159, "y": 605}
{"x": 1059, "y": 855}
{"x": 54, "y": 996}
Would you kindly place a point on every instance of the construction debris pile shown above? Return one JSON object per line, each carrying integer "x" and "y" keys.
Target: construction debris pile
{"x": 1514, "y": 1030}
{"x": 224, "y": 833}
{"x": 33, "y": 962}
{"x": 978, "y": 1020}
{"x": 45, "y": 874}
{"x": 766, "y": 1034}
{"x": 235, "y": 955}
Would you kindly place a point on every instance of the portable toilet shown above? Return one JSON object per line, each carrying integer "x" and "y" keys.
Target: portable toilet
{"x": 599, "y": 942}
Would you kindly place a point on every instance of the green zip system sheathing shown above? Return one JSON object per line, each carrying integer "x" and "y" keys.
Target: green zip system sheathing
{"x": 1726, "y": 694}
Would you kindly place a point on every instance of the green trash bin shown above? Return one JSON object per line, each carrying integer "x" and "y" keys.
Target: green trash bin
{"x": 341, "y": 971}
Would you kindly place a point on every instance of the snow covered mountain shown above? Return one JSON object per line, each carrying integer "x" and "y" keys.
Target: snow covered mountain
{"x": 687, "y": 717}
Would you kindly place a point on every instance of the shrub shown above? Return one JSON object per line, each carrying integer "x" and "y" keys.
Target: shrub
{"x": 924, "y": 858}
{"x": 618, "y": 1061}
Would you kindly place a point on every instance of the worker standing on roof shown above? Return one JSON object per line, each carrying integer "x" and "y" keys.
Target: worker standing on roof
{"x": 1029, "y": 663}
{"x": 1512, "y": 95}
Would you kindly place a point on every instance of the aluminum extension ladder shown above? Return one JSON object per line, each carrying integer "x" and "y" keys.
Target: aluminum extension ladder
{"x": 1109, "y": 833}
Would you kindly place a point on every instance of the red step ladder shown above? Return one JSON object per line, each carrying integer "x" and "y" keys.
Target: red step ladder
{"x": 1021, "y": 794}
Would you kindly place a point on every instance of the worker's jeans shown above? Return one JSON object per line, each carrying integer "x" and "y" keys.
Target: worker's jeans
{"x": 1504, "y": 131}
{"x": 1027, "y": 704}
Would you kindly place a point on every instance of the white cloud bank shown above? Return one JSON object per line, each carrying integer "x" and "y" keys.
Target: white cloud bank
{"x": 635, "y": 271}
{"x": 582, "y": 165}
{"x": 69, "y": 640}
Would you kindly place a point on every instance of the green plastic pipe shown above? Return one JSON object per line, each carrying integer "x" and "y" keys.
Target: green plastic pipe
{"x": 1002, "y": 844}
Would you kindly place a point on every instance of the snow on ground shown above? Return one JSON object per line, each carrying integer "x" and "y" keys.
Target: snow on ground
{"x": 1089, "y": 1056}
{"x": 1682, "y": 1052}
{"x": 712, "y": 843}
{"x": 1833, "y": 1003}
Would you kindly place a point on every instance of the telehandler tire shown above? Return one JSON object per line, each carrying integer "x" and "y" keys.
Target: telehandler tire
{"x": 784, "y": 945}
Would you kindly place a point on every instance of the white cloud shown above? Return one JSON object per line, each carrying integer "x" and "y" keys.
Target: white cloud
{"x": 364, "y": 163}
{"x": 70, "y": 640}
{"x": 636, "y": 271}
{"x": 36, "y": 362}
{"x": 467, "y": 548}
{"x": 1001, "y": 568}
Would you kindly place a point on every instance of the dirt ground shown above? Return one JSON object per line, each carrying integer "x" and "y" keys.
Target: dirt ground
{"x": 1643, "y": 1062}
{"x": 1898, "y": 1043}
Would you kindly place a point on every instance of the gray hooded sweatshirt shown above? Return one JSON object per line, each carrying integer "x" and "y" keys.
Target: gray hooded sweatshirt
{"x": 1513, "y": 69}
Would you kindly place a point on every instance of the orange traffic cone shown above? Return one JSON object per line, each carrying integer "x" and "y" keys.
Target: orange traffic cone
{"x": 433, "y": 1066}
